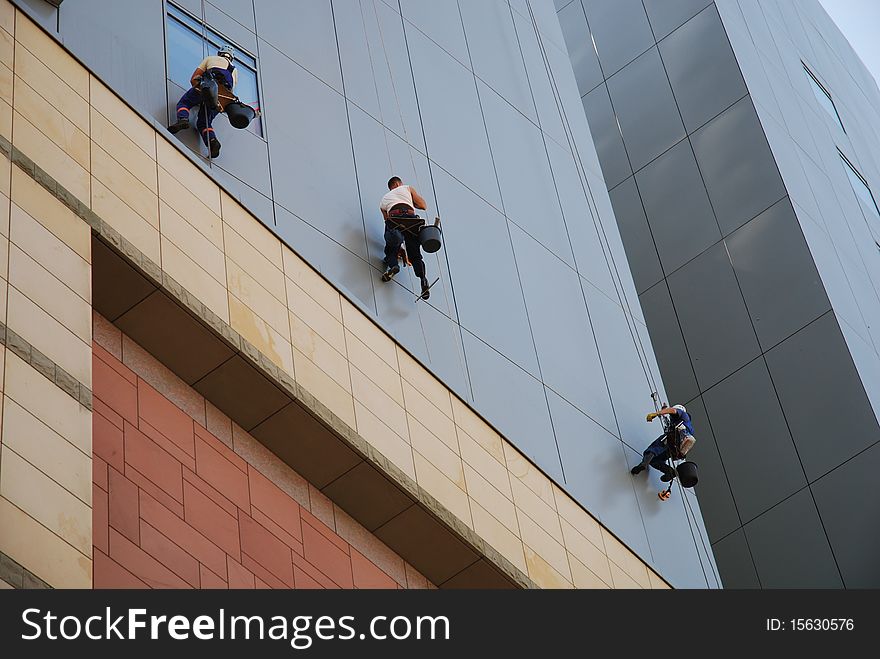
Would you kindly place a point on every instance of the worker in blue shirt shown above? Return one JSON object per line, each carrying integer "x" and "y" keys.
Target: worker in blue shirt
{"x": 221, "y": 69}
{"x": 675, "y": 442}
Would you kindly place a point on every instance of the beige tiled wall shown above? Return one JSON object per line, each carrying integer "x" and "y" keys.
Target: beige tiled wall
{"x": 45, "y": 298}
{"x": 139, "y": 183}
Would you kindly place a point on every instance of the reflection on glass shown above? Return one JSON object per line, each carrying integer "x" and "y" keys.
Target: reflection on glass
{"x": 190, "y": 41}
{"x": 824, "y": 98}
{"x": 185, "y": 51}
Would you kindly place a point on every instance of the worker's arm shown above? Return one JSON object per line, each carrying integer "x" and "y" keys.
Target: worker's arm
{"x": 384, "y": 213}
{"x": 665, "y": 410}
{"x": 198, "y": 73}
{"x": 418, "y": 201}
{"x": 234, "y": 78}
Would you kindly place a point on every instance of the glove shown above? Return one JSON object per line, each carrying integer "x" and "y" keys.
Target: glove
{"x": 651, "y": 416}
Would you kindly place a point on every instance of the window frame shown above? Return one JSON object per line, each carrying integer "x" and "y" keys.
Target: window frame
{"x": 818, "y": 87}
{"x": 211, "y": 38}
{"x": 852, "y": 168}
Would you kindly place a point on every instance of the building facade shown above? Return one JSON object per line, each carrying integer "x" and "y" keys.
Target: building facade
{"x": 739, "y": 143}
{"x": 480, "y": 438}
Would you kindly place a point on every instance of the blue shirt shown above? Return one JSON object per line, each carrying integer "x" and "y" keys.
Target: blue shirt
{"x": 684, "y": 418}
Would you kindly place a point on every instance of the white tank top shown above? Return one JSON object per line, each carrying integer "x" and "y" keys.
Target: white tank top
{"x": 399, "y": 195}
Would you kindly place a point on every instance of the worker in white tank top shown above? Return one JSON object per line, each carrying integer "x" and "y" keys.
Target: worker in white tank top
{"x": 402, "y": 226}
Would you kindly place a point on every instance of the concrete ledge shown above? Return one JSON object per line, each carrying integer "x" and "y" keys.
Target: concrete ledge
{"x": 233, "y": 375}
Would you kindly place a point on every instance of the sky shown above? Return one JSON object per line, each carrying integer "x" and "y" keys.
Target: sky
{"x": 859, "y": 20}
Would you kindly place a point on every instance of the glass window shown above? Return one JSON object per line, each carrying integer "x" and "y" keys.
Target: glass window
{"x": 190, "y": 41}
{"x": 824, "y": 97}
{"x": 860, "y": 187}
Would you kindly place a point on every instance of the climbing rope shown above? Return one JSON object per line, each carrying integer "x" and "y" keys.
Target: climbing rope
{"x": 613, "y": 269}
{"x": 376, "y": 87}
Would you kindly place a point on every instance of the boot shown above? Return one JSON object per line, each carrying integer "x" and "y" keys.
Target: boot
{"x": 426, "y": 292}
{"x": 181, "y": 124}
{"x": 639, "y": 468}
{"x": 668, "y": 474}
{"x": 390, "y": 272}
{"x": 214, "y": 145}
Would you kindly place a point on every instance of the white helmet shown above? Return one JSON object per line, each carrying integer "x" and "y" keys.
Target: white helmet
{"x": 680, "y": 408}
{"x": 226, "y": 49}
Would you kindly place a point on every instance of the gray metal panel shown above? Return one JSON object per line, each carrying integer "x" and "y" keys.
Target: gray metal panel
{"x": 392, "y": 70}
{"x": 789, "y": 546}
{"x": 713, "y": 317}
{"x": 580, "y": 220}
{"x": 584, "y": 59}
{"x": 514, "y": 402}
{"x": 489, "y": 297}
{"x": 677, "y": 207}
{"x": 539, "y": 78}
{"x": 668, "y": 341}
{"x": 455, "y": 132}
{"x": 676, "y": 547}
{"x": 735, "y": 562}
{"x": 606, "y": 135}
{"x": 756, "y": 449}
{"x": 131, "y": 62}
{"x": 737, "y": 166}
{"x": 445, "y": 354}
{"x": 305, "y": 33}
{"x": 240, "y": 10}
{"x": 704, "y": 74}
{"x": 834, "y": 278}
{"x": 357, "y": 59}
{"x": 867, "y": 362}
{"x": 245, "y": 156}
{"x": 777, "y": 275}
{"x": 713, "y": 489}
{"x": 645, "y": 109}
{"x": 561, "y": 327}
{"x": 597, "y": 464}
{"x": 638, "y": 240}
{"x": 527, "y": 188}
{"x": 667, "y": 15}
{"x": 311, "y": 151}
{"x": 495, "y": 52}
{"x": 621, "y": 31}
{"x": 230, "y": 28}
{"x": 348, "y": 271}
{"x": 630, "y": 390}
{"x": 441, "y": 21}
{"x": 814, "y": 376}
{"x": 849, "y": 511}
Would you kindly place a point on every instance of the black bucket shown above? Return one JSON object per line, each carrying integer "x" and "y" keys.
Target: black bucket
{"x": 240, "y": 115}
{"x": 687, "y": 474}
{"x": 429, "y": 237}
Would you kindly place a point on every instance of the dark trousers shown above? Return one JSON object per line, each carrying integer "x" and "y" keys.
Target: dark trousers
{"x": 206, "y": 115}
{"x": 397, "y": 234}
{"x": 659, "y": 454}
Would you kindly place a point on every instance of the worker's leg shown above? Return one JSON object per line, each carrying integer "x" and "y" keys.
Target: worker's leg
{"x": 414, "y": 252}
{"x": 184, "y": 107}
{"x": 660, "y": 463}
{"x": 393, "y": 241}
{"x": 204, "y": 124}
{"x": 655, "y": 449}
